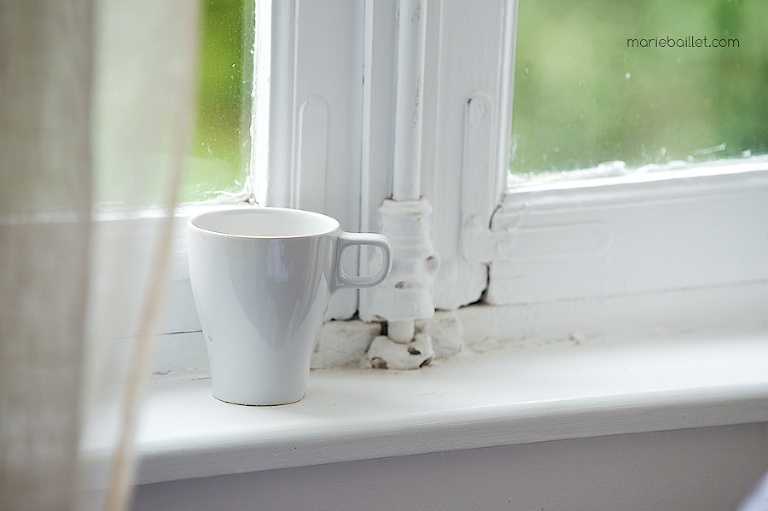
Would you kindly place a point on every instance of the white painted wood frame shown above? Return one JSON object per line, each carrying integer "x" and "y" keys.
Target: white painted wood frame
{"x": 647, "y": 234}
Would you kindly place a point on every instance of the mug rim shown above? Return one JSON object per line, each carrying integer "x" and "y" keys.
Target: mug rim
{"x": 333, "y": 224}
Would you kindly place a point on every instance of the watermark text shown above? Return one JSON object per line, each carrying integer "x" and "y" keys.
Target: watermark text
{"x": 682, "y": 42}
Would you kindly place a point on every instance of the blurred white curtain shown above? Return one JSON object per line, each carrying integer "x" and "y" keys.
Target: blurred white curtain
{"x": 95, "y": 112}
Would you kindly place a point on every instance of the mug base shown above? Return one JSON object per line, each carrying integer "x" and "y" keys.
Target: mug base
{"x": 262, "y": 404}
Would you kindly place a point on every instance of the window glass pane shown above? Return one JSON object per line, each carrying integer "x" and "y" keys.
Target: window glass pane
{"x": 220, "y": 150}
{"x": 649, "y": 82}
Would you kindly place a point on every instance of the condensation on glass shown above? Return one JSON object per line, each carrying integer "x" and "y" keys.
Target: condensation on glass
{"x": 632, "y": 84}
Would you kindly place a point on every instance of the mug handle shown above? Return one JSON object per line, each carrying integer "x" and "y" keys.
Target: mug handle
{"x": 348, "y": 239}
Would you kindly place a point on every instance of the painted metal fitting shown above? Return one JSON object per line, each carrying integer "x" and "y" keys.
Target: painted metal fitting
{"x": 406, "y": 294}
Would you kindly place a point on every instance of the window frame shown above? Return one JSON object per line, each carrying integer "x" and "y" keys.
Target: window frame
{"x": 732, "y": 192}
{"x": 477, "y": 218}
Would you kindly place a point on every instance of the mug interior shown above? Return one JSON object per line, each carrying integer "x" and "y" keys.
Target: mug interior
{"x": 265, "y": 223}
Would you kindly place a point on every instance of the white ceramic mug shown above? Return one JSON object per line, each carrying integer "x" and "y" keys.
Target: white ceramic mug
{"x": 262, "y": 278}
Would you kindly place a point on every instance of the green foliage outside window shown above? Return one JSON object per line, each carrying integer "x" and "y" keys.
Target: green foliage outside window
{"x": 219, "y": 155}
{"x": 594, "y": 83}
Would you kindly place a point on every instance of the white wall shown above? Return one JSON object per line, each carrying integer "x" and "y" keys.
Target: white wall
{"x": 698, "y": 469}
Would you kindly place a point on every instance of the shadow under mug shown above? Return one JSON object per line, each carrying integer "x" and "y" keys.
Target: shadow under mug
{"x": 262, "y": 279}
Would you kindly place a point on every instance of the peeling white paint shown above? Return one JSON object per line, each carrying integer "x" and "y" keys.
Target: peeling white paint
{"x": 384, "y": 353}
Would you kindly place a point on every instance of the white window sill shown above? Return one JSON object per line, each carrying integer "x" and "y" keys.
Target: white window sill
{"x": 492, "y": 394}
